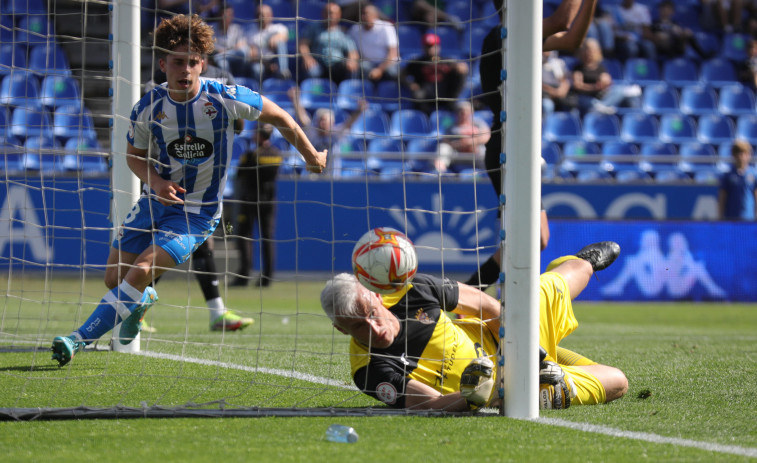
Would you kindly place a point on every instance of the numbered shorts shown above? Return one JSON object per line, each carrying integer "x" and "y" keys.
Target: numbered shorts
{"x": 170, "y": 228}
{"x": 556, "y": 322}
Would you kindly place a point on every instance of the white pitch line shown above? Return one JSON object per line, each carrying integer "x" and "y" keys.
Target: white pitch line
{"x": 270, "y": 371}
{"x": 653, "y": 438}
{"x": 584, "y": 427}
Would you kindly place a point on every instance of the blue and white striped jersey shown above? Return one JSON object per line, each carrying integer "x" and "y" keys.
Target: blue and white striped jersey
{"x": 193, "y": 139}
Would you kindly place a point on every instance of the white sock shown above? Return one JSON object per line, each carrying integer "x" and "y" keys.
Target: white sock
{"x": 216, "y": 308}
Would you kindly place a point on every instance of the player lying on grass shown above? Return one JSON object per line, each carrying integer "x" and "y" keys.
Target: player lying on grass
{"x": 406, "y": 352}
{"x": 191, "y": 120}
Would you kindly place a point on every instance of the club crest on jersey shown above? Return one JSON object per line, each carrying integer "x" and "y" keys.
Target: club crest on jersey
{"x": 190, "y": 148}
{"x": 210, "y": 111}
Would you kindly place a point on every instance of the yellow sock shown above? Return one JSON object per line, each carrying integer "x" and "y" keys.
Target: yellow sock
{"x": 568, "y": 357}
{"x": 559, "y": 261}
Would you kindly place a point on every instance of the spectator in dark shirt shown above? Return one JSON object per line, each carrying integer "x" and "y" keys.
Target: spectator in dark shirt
{"x": 434, "y": 80}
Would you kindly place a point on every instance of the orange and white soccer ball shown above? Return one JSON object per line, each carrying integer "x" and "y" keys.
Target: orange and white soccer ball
{"x": 384, "y": 260}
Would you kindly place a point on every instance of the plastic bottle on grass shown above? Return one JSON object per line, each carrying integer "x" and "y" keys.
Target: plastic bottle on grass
{"x": 340, "y": 433}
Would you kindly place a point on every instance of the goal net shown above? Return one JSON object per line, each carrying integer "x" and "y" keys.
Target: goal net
{"x": 404, "y": 152}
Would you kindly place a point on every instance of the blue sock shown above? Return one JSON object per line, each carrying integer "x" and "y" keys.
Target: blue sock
{"x": 115, "y": 306}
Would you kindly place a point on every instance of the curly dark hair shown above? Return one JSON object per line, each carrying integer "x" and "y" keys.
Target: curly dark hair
{"x": 184, "y": 30}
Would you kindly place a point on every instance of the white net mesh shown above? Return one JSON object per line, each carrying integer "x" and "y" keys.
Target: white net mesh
{"x": 406, "y": 150}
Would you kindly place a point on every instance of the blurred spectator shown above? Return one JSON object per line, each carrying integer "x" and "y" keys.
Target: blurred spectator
{"x": 256, "y": 187}
{"x": 207, "y": 9}
{"x": 377, "y": 44}
{"x": 722, "y": 15}
{"x": 231, "y": 49}
{"x": 632, "y": 18}
{"x": 465, "y": 143}
{"x": 602, "y": 29}
{"x": 555, "y": 85}
{"x": 593, "y": 85}
{"x": 747, "y": 70}
{"x": 431, "y": 14}
{"x": 670, "y": 39}
{"x": 434, "y": 81}
{"x": 738, "y": 187}
{"x": 328, "y": 52}
{"x": 322, "y": 130}
{"x": 267, "y": 43}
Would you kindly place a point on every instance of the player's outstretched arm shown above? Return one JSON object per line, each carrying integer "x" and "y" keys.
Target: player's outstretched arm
{"x": 419, "y": 396}
{"x": 293, "y": 133}
{"x": 476, "y": 303}
{"x": 572, "y": 38}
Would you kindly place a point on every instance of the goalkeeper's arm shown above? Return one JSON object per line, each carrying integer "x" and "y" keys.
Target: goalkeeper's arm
{"x": 419, "y": 396}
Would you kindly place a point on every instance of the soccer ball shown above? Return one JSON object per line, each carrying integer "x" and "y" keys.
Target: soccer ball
{"x": 384, "y": 260}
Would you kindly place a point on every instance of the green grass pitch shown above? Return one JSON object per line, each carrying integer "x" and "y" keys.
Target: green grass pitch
{"x": 691, "y": 367}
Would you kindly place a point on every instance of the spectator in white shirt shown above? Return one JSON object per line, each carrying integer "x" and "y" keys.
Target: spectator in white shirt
{"x": 230, "y": 49}
{"x": 377, "y": 44}
{"x": 267, "y": 43}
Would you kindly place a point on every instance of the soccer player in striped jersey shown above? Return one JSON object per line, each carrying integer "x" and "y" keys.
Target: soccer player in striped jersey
{"x": 407, "y": 352}
{"x": 191, "y": 120}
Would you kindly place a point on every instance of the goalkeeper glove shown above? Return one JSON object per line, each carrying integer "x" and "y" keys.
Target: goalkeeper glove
{"x": 555, "y": 390}
{"x": 476, "y": 382}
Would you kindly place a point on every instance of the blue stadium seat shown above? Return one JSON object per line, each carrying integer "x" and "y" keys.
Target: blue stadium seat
{"x": 352, "y": 144}
{"x": 592, "y": 174}
{"x": 736, "y": 100}
{"x": 642, "y": 71}
{"x": 451, "y": 43}
{"x": 718, "y": 72}
{"x": 422, "y": 153}
{"x": 672, "y": 174}
{"x": 49, "y": 59}
{"x": 600, "y": 127}
{"x": 397, "y": 12}
{"x": 490, "y": 17}
{"x": 709, "y": 176}
{"x": 25, "y": 7}
{"x": 620, "y": 155}
{"x": 660, "y": 99}
{"x": 551, "y": 153}
{"x": 85, "y": 155}
{"x": 708, "y": 42}
{"x": 580, "y": 153}
{"x": 472, "y": 39}
{"x": 10, "y": 156}
{"x": 677, "y": 128}
{"x": 561, "y": 127}
{"x": 384, "y": 145}
{"x": 5, "y": 119}
{"x": 35, "y": 30}
{"x": 734, "y": 46}
{"x": 632, "y": 175}
{"x": 42, "y": 153}
{"x": 639, "y": 127}
{"x": 249, "y": 82}
{"x": 410, "y": 36}
{"x": 615, "y": 69}
{"x": 351, "y": 91}
{"x": 21, "y": 89}
{"x": 318, "y": 93}
{"x": 371, "y": 122}
{"x": 59, "y": 91}
{"x": 391, "y": 96}
{"x": 746, "y": 128}
{"x": 441, "y": 120}
{"x": 276, "y": 90}
{"x": 695, "y": 156}
{"x": 464, "y": 10}
{"x": 312, "y": 10}
{"x": 12, "y": 58}
{"x": 282, "y": 9}
{"x": 7, "y": 24}
{"x": 715, "y": 129}
{"x": 73, "y": 121}
{"x": 409, "y": 123}
{"x": 29, "y": 122}
{"x": 680, "y": 72}
{"x": 657, "y": 155}
{"x": 698, "y": 100}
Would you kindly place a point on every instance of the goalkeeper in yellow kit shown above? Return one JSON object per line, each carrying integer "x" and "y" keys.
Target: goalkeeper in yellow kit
{"x": 406, "y": 352}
